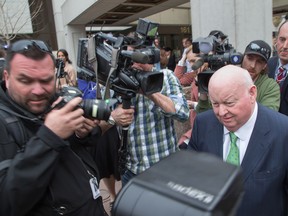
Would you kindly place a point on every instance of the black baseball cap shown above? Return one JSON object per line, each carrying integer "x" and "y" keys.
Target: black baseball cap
{"x": 260, "y": 48}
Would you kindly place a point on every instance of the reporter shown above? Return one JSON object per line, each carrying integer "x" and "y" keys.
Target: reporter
{"x": 52, "y": 173}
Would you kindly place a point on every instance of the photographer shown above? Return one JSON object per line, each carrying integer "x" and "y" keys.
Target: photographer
{"x": 151, "y": 136}
{"x": 255, "y": 60}
{"x": 67, "y": 75}
{"x": 50, "y": 172}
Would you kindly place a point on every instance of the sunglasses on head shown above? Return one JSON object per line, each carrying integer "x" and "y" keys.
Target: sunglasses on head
{"x": 25, "y": 45}
{"x": 255, "y": 47}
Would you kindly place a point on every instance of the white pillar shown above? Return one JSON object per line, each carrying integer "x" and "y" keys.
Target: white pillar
{"x": 72, "y": 35}
{"x": 57, "y": 12}
{"x": 242, "y": 20}
{"x": 67, "y": 35}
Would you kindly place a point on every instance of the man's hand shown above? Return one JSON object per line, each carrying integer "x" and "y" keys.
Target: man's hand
{"x": 122, "y": 116}
{"x": 87, "y": 127}
{"x": 66, "y": 120}
{"x": 192, "y": 104}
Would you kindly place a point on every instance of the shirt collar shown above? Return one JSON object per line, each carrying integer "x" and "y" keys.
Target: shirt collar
{"x": 243, "y": 132}
{"x": 284, "y": 66}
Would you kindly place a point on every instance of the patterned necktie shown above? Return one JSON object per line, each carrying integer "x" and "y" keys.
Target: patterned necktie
{"x": 281, "y": 74}
{"x": 233, "y": 156}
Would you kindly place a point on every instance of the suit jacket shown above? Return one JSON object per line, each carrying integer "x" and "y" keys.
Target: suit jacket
{"x": 272, "y": 65}
{"x": 264, "y": 164}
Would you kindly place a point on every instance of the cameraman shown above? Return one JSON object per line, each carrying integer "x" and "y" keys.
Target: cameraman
{"x": 151, "y": 136}
{"x": 255, "y": 60}
{"x": 51, "y": 172}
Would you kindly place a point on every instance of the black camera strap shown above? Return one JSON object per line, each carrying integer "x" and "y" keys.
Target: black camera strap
{"x": 114, "y": 65}
{"x": 93, "y": 60}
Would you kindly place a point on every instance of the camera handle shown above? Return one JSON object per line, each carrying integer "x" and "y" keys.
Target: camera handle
{"x": 58, "y": 78}
{"x": 122, "y": 152}
{"x": 93, "y": 60}
{"x": 68, "y": 79}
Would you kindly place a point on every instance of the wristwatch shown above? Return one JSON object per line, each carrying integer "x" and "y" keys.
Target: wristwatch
{"x": 111, "y": 121}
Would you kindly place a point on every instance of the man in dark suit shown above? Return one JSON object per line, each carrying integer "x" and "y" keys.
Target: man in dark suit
{"x": 261, "y": 151}
{"x": 278, "y": 66}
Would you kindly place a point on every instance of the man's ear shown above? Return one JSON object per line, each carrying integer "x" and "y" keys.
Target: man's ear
{"x": 253, "y": 92}
{"x": 6, "y": 77}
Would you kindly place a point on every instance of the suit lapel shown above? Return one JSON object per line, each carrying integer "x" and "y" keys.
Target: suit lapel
{"x": 216, "y": 145}
{"x": 258, "y": 145}
{"x": 272, "y": 65}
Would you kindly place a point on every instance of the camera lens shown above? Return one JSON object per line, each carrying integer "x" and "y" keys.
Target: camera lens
{"x": 98, "y": 109}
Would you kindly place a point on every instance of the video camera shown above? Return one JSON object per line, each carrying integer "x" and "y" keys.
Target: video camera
{"x": 114, "y": 60}
{"x": 217, "y": 52}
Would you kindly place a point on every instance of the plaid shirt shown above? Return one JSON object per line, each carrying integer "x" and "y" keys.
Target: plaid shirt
{"x": 151, "y": 135}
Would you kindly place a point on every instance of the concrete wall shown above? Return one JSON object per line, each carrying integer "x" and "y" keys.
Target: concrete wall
{"x": 241, "y": 20}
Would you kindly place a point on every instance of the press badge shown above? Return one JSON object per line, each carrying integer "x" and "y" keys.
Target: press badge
{"x": 94, "y": 187}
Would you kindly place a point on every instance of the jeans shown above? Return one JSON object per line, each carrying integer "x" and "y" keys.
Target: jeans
{"x": 126, "y": 177}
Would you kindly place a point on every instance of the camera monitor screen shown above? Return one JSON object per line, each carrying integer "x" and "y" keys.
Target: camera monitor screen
{"x": 147, "y": 28}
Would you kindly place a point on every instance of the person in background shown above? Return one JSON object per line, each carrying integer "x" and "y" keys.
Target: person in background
{"x": 171, "y": 58}
{"x": 192, "y": 79}
{"x": 156, "y": 43}
{"x": 163, "y": 59}
{"x": 245, "y": 133}
{"x": 186, "y": 42}
{"x": 274, "y": 40}
{"x": 186, "y": 77}
{"x": 278, "y": 66}
{"x": 67, "y": 77}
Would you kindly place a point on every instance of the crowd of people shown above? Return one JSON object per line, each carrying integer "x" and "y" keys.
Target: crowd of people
{"x": 64, "y": 154}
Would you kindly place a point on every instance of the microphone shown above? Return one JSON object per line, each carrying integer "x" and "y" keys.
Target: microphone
{"x": 136, "y": 56}
{"x": 198, "y": 64}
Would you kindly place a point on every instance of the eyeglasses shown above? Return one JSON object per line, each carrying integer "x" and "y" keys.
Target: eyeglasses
{"x": 25, "y": 45}
{"x": 255, "y": 47}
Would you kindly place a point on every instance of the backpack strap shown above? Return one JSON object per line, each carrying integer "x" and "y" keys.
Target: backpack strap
{"x": 14, "y": 126}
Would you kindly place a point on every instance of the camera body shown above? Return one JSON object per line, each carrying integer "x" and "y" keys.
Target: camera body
{"x": 114, "y": 60}
{"x": 93, "y": 108}
{"x": 217, "y": 53}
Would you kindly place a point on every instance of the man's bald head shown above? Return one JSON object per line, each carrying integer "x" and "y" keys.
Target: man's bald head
{"x": 233, "y": 96}
{"x": 230, "y": 75}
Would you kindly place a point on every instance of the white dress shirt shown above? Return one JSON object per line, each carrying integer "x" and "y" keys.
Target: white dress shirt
{"x": 243, "y": 134}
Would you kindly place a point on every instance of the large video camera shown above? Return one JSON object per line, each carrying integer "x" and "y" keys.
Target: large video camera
{"x": 114, "y": 61}
{"x": 217, "y": 52}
